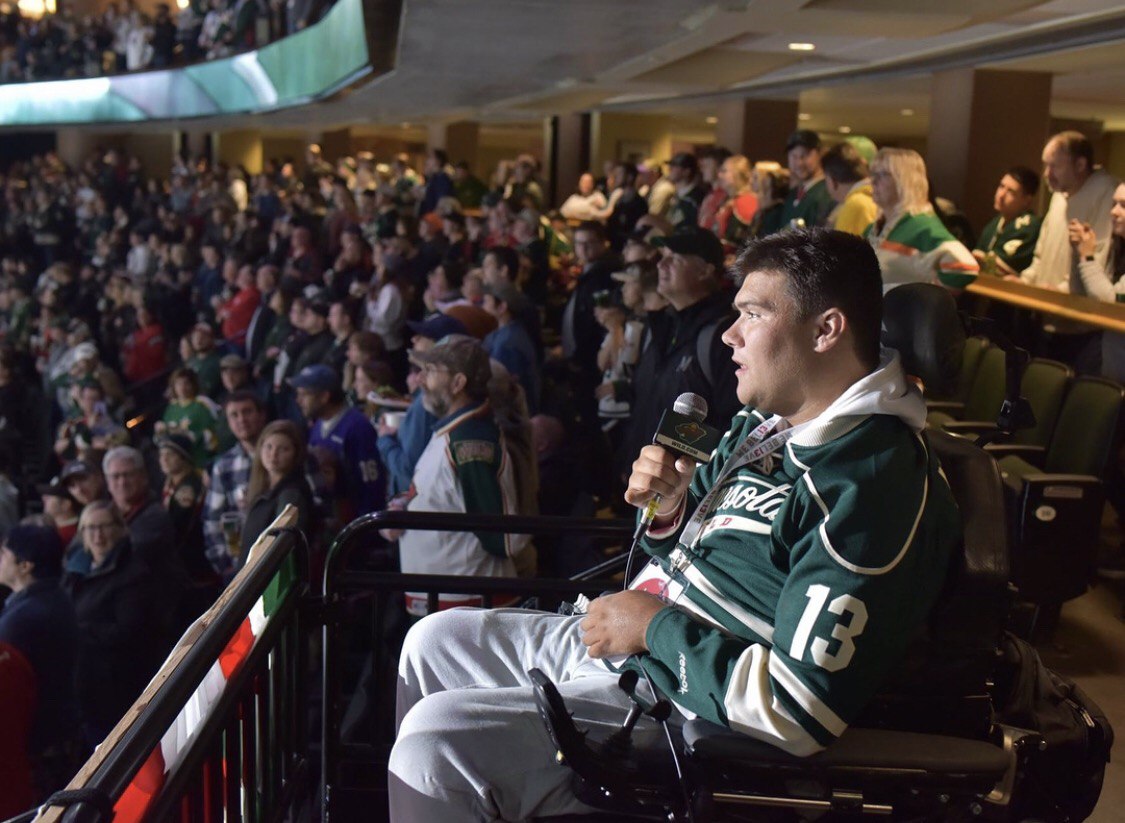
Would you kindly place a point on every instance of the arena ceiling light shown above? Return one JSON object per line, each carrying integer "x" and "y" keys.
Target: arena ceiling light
{"x": 802, "y": 46}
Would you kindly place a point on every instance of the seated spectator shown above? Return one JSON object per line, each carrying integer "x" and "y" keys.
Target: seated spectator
{"x": 317, "y": 339}
{"x": 277, "y": 480}
{"x": 226, "y": 494}
{"x": 348, "y": 434}
{"x": 911, "y": 242}
{"x": 190, "y": 414}
{"x": 585, "y": 204}
{"x": 846, "y": 175}
{"x": 511, "y": 344}
{"x": 1007, "y": 243}
{"x": 118, "y": 604}
{"x": 38, "y": 622}
{"x": 85, "y": 481}
{"x": 364, "y": 347}
{"x": 1103, "y": 281}
{"x": 467, "y": 188}
{"x": 352, "y": 269}
{"x": 463, "y": 469}
{"x": 9, "y": 494}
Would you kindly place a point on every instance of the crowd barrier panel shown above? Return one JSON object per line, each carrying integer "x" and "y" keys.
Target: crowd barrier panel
{"x": 353, "y": 775}
{"x": 219, "y": 733}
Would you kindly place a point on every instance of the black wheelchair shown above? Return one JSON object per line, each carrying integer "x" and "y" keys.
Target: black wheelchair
{"x": 929, "y": 747}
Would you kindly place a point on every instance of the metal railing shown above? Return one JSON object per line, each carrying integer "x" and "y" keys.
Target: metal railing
{"x": 249, "y": 757}
{"x": 354, "y": 772}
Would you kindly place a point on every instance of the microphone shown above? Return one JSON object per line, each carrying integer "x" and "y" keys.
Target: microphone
{"x": 683, "y": 431}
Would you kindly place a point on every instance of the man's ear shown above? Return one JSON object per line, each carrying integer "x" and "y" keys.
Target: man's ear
{"x": 457, "y": 383}
{"x": 831, "y": 325}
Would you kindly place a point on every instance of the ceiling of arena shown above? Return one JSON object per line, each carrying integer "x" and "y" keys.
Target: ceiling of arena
{"x": 517, "y": 61}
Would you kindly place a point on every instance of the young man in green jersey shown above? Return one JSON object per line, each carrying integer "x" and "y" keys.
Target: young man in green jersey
{"x": 788, "y": 574}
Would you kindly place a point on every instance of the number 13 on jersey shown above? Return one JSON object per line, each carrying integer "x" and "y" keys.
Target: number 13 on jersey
{"x": 853, "y": 619}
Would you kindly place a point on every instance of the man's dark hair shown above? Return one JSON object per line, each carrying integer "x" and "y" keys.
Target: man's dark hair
{"x": 1077, "y": 145}
{"x": 508, "y": 258}
{"x": 628, "y": 174}
{"x": 824, "y": 268}
{"x": 1028, "y": 180}
{"x": 592, "y": 227}
{"x": 245, "y": 396}
{"x": 441, "y": 156}
{"x": 455, "y": 272}
{"x": 843, "y": 164}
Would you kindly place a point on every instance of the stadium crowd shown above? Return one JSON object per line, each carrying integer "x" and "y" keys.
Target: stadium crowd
{"x": 184, "y": 356}
{"x": 65, "y": 45}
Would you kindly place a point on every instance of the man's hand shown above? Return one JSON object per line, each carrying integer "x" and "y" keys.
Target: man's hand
{"x": 617, "y": 623}
{"x": 1082, "y": 237}
{"x": 658, "y": 471}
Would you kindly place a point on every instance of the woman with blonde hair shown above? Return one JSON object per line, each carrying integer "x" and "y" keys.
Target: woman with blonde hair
{"x": 770, "y": 184}
{"x": 735, "y": 218}
{"x": 911, "y": 242}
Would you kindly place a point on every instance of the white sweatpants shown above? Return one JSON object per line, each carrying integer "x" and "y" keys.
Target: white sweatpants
{"x": 471, "y": 745}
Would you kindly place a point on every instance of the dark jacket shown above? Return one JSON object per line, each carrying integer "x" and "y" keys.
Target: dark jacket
{"x": 313, "y": 350}
{"x": 669, "y": 366}
{"x": 265, "y": 508}
{"x": 117, "y": 605}
{"x": 39, "y": 621}
{"x": 581, "y": 334}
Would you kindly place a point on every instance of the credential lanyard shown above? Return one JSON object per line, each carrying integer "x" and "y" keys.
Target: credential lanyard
{"x": 756, "y": 447}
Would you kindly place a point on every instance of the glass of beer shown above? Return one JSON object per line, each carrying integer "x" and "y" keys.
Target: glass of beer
{"x": 231, "y": 524}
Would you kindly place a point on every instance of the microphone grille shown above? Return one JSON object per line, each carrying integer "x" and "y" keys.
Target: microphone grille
{"x": 692, "y": 405}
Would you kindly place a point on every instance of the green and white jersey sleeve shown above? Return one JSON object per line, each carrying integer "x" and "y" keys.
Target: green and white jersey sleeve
{"x": 918, "y": 248}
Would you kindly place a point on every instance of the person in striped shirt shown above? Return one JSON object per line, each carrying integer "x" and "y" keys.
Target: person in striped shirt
{"x": 788, "y": 574}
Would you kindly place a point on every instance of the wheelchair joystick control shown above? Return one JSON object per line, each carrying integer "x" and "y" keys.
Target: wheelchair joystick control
{"x": 620, "y": 741}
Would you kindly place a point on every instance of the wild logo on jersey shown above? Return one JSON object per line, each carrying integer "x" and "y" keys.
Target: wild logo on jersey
{"x": 748, "y": 503}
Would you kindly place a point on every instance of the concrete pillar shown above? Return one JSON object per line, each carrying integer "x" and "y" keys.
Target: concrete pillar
{"x": 460, "y": 140}
{"x": 335, "y": 144}
{"x": 241, "y": 148}
{"x": 198, "y": 144}
{"x": 569, "y": 154}
{"x": 756, "y": 128}
{"x": 75, "y": 145}
{"x": 981, "y": 122}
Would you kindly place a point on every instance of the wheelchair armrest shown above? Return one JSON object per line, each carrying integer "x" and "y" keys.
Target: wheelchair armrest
{"x": 950, "y": 407}
{"x": 1031, "y": 454}
{"x": 864, "y": 759}
{"x": 965, "y": 428}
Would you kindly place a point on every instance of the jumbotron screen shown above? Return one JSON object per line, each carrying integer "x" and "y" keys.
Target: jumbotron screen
{"x": 305, "y": 66}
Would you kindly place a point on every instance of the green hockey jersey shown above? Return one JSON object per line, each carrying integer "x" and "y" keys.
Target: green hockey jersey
{"x": 812, "y": 572}
{"x": 918, "y": 248}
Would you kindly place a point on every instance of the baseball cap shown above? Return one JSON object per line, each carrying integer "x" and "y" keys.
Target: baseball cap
{"x": 696, "y": 241}
{"x": 317, "y": 377}
{"x": 75, "y": 468}
{"x": 232, "y": 361}
{"x": 507, "y": 293}
{"x": 685, "y": 160}
{"x": 56, "y": 488}
{"x": 437, "y": 326}
{"x": 461, "y": 355}
{"x": 805, "y": 138}
{"x": 179, "y": 443}
{"x": 39, "y": 545}
{"x": 85, "y": 351}
{"x": 477, "y": 321}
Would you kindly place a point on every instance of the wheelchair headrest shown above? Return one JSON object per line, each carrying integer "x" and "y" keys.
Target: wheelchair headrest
{"x": 920, "y": 320}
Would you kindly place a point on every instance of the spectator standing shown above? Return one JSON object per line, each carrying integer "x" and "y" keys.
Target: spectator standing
{"x": 585, "y": 204}
{"x": 182, "y": 495}
{"x": 734, "y": 218}
{"x": 808, "y": 202}
{"x": 1007, "y": 243}
{"x": 581, "y": 335}
{"x": 683, "y": 172}
{"x": 117, "y": 601}
{"x": 464, "y": 468}
{"x": 230, "y": 475}
{"x": 849, "y": 183}
{"x": 191, "y": 415}
{"x": 627, "y": 206}
{"x": 348, "y": 434}
{"x": 685, "y": 351}
{"x": 277, "y": 479}
{"x": 438, "y": 182}
{"x": 38, "y": 621}
{"x": 511, "y": 344}
{"x": 710, "y": 164}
